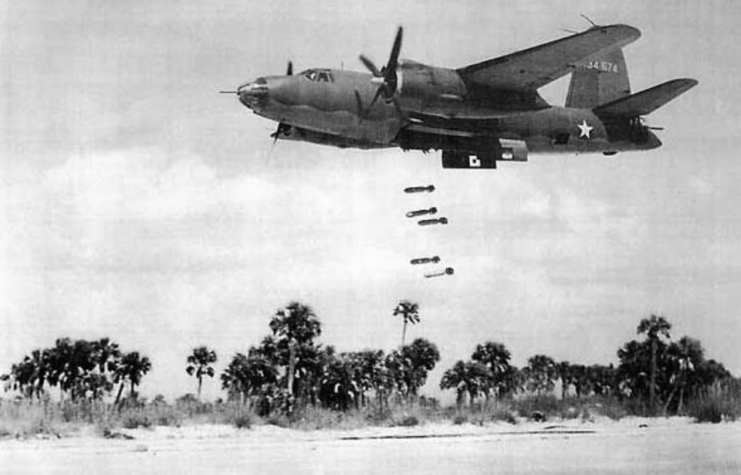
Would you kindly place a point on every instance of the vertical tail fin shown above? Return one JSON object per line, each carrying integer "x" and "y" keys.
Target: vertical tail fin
{"x": 600, "y": 79}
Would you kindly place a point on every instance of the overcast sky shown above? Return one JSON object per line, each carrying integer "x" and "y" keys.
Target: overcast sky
{"x": 138, "y": 203}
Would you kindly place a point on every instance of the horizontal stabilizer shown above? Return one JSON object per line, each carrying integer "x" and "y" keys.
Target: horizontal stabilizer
{"x": 645, "y": 102}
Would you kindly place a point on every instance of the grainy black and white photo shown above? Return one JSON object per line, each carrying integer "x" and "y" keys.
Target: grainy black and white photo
{"x": 399, "y": 237}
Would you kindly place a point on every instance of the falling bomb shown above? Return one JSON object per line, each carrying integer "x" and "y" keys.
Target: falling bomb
{"x": 425, "y": 260}
{"x": 447, "y": 271}
{"x": 420, "y": 189}
{"x": 429, "y": 222}
{"x": 421, "y": 212}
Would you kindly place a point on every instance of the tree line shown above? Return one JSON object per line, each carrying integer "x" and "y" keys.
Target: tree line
{"x": 81, "y": 369}
{"x": 289, "y": 369}
{"x": 654, "y": 375}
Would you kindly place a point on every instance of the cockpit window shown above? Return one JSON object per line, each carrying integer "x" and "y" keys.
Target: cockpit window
{"x": 310, "y": 75}
{"x": 318, "y": 75}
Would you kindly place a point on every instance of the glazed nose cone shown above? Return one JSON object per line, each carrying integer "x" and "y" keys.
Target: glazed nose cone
{"x": 254, "y": 94}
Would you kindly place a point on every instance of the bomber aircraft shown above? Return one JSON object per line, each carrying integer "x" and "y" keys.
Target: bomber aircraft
{"x": 476, "y": 115}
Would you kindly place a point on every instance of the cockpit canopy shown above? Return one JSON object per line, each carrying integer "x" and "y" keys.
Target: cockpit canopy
{"x": 318, "y": 75}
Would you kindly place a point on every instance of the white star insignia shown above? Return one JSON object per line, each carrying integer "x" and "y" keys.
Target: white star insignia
{"x": 584, "y": 129}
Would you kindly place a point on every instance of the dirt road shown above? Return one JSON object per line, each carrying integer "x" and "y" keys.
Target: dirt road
{"x": 686, "y": 449}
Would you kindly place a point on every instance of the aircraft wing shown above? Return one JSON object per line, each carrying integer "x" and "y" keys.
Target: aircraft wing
{"x": 532, "y": 68}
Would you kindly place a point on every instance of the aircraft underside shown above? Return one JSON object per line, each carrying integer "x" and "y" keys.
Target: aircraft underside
{"x": 505, "y": 140}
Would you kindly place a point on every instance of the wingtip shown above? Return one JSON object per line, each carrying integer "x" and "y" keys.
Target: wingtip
{"x": 626, "y": 33}
{"x": 686, "y": 83}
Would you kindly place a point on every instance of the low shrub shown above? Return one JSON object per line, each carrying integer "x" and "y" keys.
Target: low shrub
{"x": 243, "y": 421}
{"x": 611, "y": 408}
{"x": 278, "y": 421}
{"x": 719, "y": 403}
{"x": 408, "y": 421}
{"x": 546, "y": 405}
{"x": 24, "y": 418}
{"x": 503, "y": 415}
{"x": 135, "y": 420}
{"x": 168, "y": 419}
{"x": 709, "y": 412}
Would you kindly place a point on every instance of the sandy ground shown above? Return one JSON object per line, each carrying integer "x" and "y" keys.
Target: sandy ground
{"x": 630, "y": 446}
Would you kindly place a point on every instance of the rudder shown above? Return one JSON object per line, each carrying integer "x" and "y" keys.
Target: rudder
{"x": 599, "y": 79}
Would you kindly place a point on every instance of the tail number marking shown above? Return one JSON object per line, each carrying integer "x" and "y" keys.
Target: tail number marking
{"x": 603, "y": 66}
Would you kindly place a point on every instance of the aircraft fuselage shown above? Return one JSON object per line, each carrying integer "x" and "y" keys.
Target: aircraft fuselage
{"x": 332, "y": 107}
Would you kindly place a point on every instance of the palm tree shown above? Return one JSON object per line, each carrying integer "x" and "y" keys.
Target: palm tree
{"x": 295, "y": 326}
{"x": 602, "y": 379}
{"x": 417, "y": 360}
{"x": 23, "y": 376}
{"x": 541, "y": 373}
{"x": 366, "y": 366}
{"x": 338, "y": 388}
{"x": 247, "y": 375}
{"x": 687, "y": 355}
{"x": 132, "y": 368}
{"x": 466, "y": 377}
{"x": 578, "y": 377}
{"x": 296, "y": 322}
{"x": 410, "y": 314}
{"x": 495, "y": 356}
{"x": 38, "y": 364}
{"x": 653, "y": 327}
{"x": 565, "y": 374}
{"x": 199, "y": 365}
{"x": 106, "y": 356}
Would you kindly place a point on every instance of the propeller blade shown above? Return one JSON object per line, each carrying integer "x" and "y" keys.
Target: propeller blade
{"x": 359, "y": 103}
{"x": 394, "y": 58}
{"x": 386, "y": 78}
{"x": 289, "y": 71}
{"x": 283, "y": 128}
{"x": 379, "y": 92}
{"x": 399, "y": 110}
{"x": 371, "y": 67}
{"x": 227, "y": 92}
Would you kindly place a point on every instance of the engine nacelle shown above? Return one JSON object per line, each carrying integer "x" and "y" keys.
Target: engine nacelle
{"x": 421, "y": 84}
{"x": 508, "y": 150}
